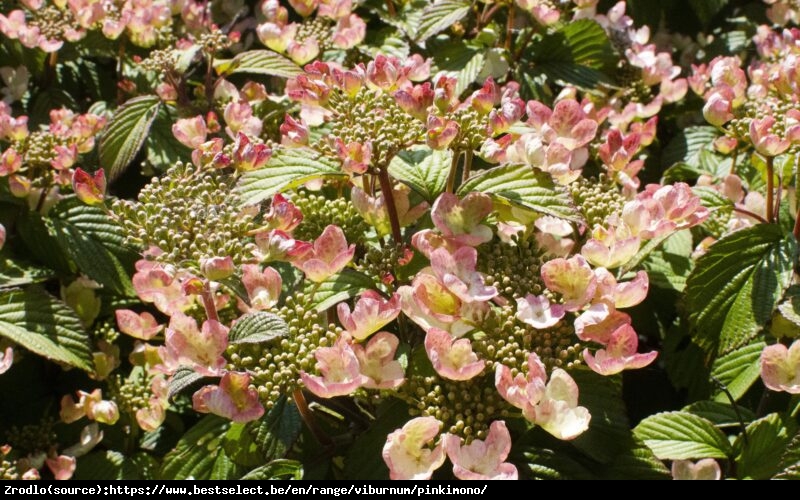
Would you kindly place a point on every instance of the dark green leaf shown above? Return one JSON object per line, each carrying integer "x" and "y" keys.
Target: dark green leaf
{"x": 240, "y": 447}
{"x": 686, "y": 146}
{"x": 276, "y": 432}
{"x": 162, "y": 148}
{"x": 790, "y": 460}
{"x": 277, "y": 469}
{"x": 523, "y": 186}
{"x": 682, "y": 436}
{"x": 423, "y": 170}
{"x": 360, "y": 461}
{"x": 735, "y": 286}
{"x": 257, "y": 328}
{"x": 439, "y": 16}
{"x": 197, "y": 450}
{"x": 224, "y": 468}
{"x": 105, "y": 465}
{"x": 126, "y": 133}
{"x": 287, "y": 169}
{"x": 14, "y": 273}
{"x": 457, "y": 59}
{"x": 706, "y": 10}
{"x": 720, "y": 414}
{"x": 608, "y": 428}
{"x": 38, "y": 322}
{"x": 544, "y": 463}
{"x": 185, "y": 379}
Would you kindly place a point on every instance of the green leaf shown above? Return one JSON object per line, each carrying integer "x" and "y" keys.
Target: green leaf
{"x": 423, "y": 170}
{"x": 339, "y": 287}
{"x": 667, "y": 270}
{"x": 608, "y": 428}
{"x": 790, "y": 460}
{"x": 162, "y": 148}
{"x": 240, "y": 446}
{"x": 224, "y": 468}
{"x": 458, "y": 60}
{"x": 126, "y": 133}
{"x": 276, "y": 432}
{"x": 197, "y": 450}
{"x": 105, "y": 465}
{"x": 767, "y": 438}
{"x": 734, "y": 287}
{"x": 93, "y": 242}
{"x": 439, "y": 16}
{"x": 682, "y": 436}
{"x": 738, "y": 370}
{"x": 258, "y": 62}
{"x": 720, "y": 414}
{"x": 548, "y": 464}
{"x": 686, "y": 146}
{"x": 287, "y": 169}
{"x": 41, "y": 244}
{"x": 637, "y": 462}
{"x": 185, "y": 379}
{"x": 257, "y": 328}
{"x": 44, "y": 325}
{"x": 360, "y": 461}
{"x": 15, "y": 273}
{"x": 387, "y": 41}
{"x": 277, "y": 469}
{"x": 524, "y": 186}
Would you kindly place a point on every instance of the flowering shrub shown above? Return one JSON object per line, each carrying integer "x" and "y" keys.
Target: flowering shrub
{"x": 448, "y": 239}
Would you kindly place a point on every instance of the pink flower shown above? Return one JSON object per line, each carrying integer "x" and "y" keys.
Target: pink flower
{"x": 239, "y": 118}
{"x": 706, "y": 469}
{"x": 538, "y": 312}
{"x": 382, "y": 73}
{"x": 350, "y": 31}
{"x": 445, "y": 97}
{"x": 621, "y": 295}
{"x": 10, "y": 162}
{"x": 482, "y": 460}
{"x": 599, "y": 321}
{"x": 90, "y": 405}
{"x": 765, "y": 142}
{"x": 191, "y": 132}
{"x": 610, "y": 247}
{"x": 377, "y": 364}
{"x": 90, "y": 189}
{"x": 371, "y": 313}
{"x": 452, "y": 359}
{"x": 569, "y": 126}
{"x": 6, "y": 359}
{"x": 374, "y": 211}
{"x": 408, "y": 452}
{"x": 718, "y": 109}
{"x": 457, "y": 272}
{"x": 780, "y": 367}
{"x": 249, "y": 156}
{"x": 619, "y": 354}
{"x": 304, "y": 7}
{"x": 154, "y": 284}
{"x": 282, "y": 214}
{"x": 430, "y": 305}
{"x": 139, "y": 326}
{"x": 275, "y": 36}
{"x": 233, "y": 399}
{"x": 460, "y": 220}
{"x": 62, "y": 467}
{"x": 301, "y": 53}
{"x": 660, "y": 210}
{"x": 263, "y": 287}
{"x": 440, "y": 132}
{"x": 200, "y": 349}
{"x": 355, "y": 156}
{"x": 217, "y": 268}
{"x": 573, "y": 278}
{"x": 294, "y": 134}
{"x": 553, "y": 406}
{"x": 339, "y": 370}
{"x": 415, "y": 100}
{"x": 327, "y": 256}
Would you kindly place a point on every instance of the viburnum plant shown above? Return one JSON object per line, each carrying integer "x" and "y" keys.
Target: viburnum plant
{"x": 380, "y": 239}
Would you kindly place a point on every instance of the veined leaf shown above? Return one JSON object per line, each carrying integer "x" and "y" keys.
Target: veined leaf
{"x": 14, "y": 273}
{"x": 197, "y": 450}
{"x": 738, "y": 370}
{"x": 439, "y": 16}
{"x": 93, "y": 242}
{"x": 735, "y": 286}
{"x": 126, "y": 132}
{"x": 720, "y": 414}
{"x": 287, "y": 169}
{"x": 790, "y": 460}
{"x": 185, "y": 379}
{"x": 257, "y": 328}
{"x": 682, "y": 436}
{"x": 275, "y": 433}
{"x": 277, "y": 469}
{"x": 42, "y": 324}
{"x": 423, "y": 170}
{"x": 526, "y": 187}
{"x": 457, "y": 59}
{"x": 339, "y": 287}
{"x": 259, "y": 62}
{"x": 767, "y": 438}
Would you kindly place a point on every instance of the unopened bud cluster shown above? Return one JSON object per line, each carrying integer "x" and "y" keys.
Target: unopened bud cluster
{"x": 513, "y": 270}
{"x": 33, "y": 438}
{"x": 131, "y": 393}
{"x": 190, "y": 214}
{"x": 320, "y": 212}
{"x": 596, "y": 199}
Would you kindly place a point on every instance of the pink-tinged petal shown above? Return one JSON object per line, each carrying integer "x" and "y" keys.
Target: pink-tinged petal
{"x": 780, "y": 367}
{"x": 461, "y": 219}
{"x": 10, "y": 162}
{"x": 559, "y": 413}
{"x": 377, "y": 363}
{"x": 233, "y": 398}
{"x": 538, "y": 114}
{"x": 457, "y": 272}
{"x": 90, "y": 189}
{"x": 573, "y": 278}
{"x": 186, "y": 346}
{"x": 482, "y": 459}
{"x": 632, "y": 292}
{"x": 105, "y": 412}
{"x": 410, "y": 303}
{"x": 619, "y": 354}
{"x": 191, "y": 132}
{"x": 156, "y": 285}
{"x": 62, "y": 467}
{"x": 610, "y": 248}
{"x": 452, "y": 359}
{"x": 538, "y": 312}
{"x": 598, "y": 322}
{"x": 139, "y": 326}
{"x": 263, "y": 287}
{"x": 151, "y": 417}
{"x": 706, "y": 469}
{"x": 370, "y": 313}
{"x": 408, "y": 452}
{"x": 71, "y": 412}
{"x": 339, "y": 371}
{"x": 91, "y": 435}
{"x": 765, "y": 142}
{"x": 6, "y": 359}
{"x": 328, "y": 255}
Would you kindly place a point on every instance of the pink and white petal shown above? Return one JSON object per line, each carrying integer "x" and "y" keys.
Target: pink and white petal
{"x": 6, "y": 359}
{"x": 407, "y": 452}
{"x": 632, "y": 292}
{"x": 62, "y": 467}
{"x": 706, "y": 469}
{"x": 562, "y": 420}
